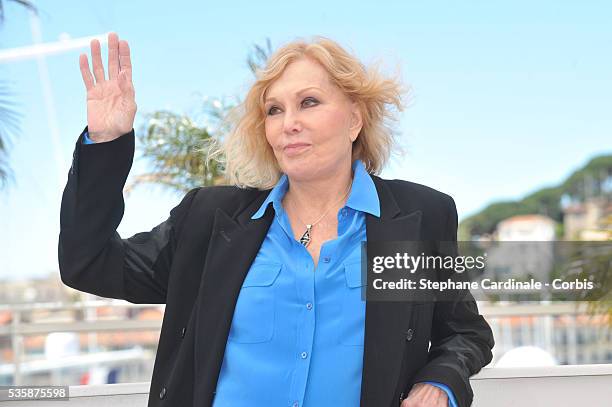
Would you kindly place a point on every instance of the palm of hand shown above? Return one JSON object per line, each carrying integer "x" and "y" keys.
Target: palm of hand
{"x": 111, "y": 104}
{"x": 109, "y": 108}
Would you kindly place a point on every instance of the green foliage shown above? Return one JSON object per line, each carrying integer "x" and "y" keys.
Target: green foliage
{"x": 592, "y": 180}
{"x": 173, "y": 145}
{"x": 177, "y": 146}
{"x": 9, "y": 118}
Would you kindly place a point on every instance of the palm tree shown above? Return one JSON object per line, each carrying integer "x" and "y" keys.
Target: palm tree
{"x": 259, "y": 56}
{"x": 25, "y": 3}
{"x": 172, "y": 143}
{"x": 9, "y": 118}
{"x": 9, "y": 124}
{"x": 175, "y": 145}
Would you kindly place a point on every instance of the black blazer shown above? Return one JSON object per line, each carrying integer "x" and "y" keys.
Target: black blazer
{"x": 195, "y": 262}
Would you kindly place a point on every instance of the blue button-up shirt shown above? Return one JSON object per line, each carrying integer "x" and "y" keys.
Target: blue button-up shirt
{"x": 297, "y": 334}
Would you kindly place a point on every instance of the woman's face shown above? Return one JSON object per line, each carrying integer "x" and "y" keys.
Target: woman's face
{"x": 310, "y": 123}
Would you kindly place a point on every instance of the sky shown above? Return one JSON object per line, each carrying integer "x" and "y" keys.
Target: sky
{"x": 506, "y": 97}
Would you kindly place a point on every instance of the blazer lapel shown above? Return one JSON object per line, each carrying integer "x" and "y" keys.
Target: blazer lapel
{"x": 234, "y": 244}
{"x": 385, "y": 322}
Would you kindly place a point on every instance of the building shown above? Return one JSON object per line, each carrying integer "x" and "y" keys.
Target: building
{"x": 526, "y": 228}
{"x": 589, "y": 221}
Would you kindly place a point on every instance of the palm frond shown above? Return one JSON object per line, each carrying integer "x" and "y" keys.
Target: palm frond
{"x": 259, "y": 56}
{"x": 24, "y": 3}
{"x": 9, "y": 126}
{"x": 175, "y": 148}
{"x": 9, "y": 118}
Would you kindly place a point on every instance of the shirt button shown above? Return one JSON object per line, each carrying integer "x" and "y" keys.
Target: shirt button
{"x": 309, "y": 305}
{"x": 304, "y": 355}
{"x": 162, "y": 393}
{"x": 344, "y": 212}
{"x": 296, "y": 404}
{"x": 183, "y": 332}
{"x": 326, "y": 259}
{"x": 409, "y": 333}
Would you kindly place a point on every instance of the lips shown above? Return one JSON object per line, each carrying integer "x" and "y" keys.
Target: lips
{"x": 295, "y": 148}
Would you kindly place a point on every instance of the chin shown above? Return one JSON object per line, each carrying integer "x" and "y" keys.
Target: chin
{"x": 300, "y": 169}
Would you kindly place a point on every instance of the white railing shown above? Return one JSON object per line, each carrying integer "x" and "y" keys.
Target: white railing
{"x": 564, "y": 330}
{"x": 557, "y": 386}
{"x": 539, "y": 331}
{"x": 22, "y": 367}
{"x": 554, "y": 386}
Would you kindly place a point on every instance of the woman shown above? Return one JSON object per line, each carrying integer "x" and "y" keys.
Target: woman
{"x": 261, "y": 279}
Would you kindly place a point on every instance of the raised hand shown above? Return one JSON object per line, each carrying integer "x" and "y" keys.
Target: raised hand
{"x": 111, "y": 104}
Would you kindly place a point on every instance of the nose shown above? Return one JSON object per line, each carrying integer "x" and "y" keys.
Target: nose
{"x": 291, "y": 122}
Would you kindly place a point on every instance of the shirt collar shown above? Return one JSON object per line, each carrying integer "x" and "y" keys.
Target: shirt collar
{"x": 363, "y": 196}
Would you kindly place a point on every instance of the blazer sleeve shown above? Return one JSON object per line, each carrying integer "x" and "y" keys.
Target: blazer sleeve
{"x": 461, "y": 339}
{"x": 92, "y": 255}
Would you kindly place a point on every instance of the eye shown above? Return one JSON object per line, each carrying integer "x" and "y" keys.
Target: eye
{"x": 271, "y": 109}
{"x": 310, "y": 99}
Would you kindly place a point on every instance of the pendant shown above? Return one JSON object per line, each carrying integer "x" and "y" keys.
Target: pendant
{"x": 305, "y": 239}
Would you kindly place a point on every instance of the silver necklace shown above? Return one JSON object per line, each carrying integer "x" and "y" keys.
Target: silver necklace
{"x": 306, "y": 236}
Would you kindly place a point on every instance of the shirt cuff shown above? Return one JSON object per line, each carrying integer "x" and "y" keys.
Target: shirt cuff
{"x": 86, "y": 139}
{"x": 451, "y": 398}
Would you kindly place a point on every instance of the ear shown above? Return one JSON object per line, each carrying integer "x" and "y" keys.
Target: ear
{"x": 356, "y": 122}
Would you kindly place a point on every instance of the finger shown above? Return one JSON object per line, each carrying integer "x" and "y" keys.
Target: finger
{"x": 113, "y": 55}
{"x": 125, "y": 84}
{"x": 96, "y": 59}
{"x": 85, "y": 72}
{"x": 125, "y": 61}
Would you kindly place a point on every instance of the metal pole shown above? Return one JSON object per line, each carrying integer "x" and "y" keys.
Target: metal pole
{"x": 17, "y": 340}
{"x": 49, "y": 48}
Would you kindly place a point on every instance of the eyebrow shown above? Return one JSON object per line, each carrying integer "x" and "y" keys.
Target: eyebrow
{"x": 297, "y": 93}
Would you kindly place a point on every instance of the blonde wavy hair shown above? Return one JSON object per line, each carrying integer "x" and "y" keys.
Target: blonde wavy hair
{"x": 248, "y": 158}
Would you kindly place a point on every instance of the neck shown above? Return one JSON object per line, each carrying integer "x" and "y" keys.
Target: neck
{"x": 313, "y": 197}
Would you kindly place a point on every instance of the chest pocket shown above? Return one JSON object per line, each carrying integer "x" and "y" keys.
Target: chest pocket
{"x": 352, "y": 326}
{"x": 253, "y": 320}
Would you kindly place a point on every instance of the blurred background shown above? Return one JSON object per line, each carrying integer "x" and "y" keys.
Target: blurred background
{"x": 509, "y": 113}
